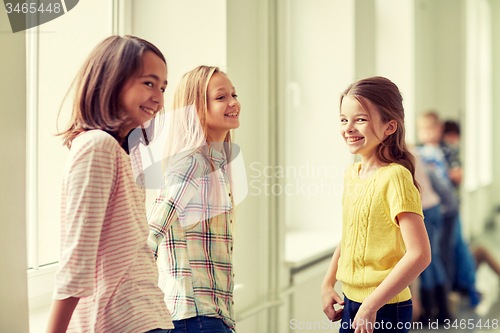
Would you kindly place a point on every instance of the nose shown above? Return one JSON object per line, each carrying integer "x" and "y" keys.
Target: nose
{"x": 350, "y": 127}
{"x": 234, "y": 102}
{"x": 158, "y": 97}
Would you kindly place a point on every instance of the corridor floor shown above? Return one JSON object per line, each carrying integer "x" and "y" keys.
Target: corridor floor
{"x": 486, "y": 316}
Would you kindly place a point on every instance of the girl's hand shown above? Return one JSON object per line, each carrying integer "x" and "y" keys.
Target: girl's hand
{"x": 329, "y": 297}
{"x": 364, "y": 321}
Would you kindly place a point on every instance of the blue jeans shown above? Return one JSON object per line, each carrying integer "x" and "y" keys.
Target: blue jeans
{"x": 465, "y": 264}
{"x": 159, "y": 330}
{"x": 201, "y": 324}
{"x": 394, "y": 317}
{"x": 435, "y": 274}
{"x": 448, "y": 244}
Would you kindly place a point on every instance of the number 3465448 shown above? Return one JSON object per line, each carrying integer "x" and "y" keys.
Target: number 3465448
{"x": 33, "y": 8}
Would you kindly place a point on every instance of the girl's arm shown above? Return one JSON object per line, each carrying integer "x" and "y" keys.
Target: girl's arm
{"x": 89, "y": 181}
{"x": 329, "y": 296}
{"x": 415, "y": 260}
{"x": 60, "y": 314}
{"x": 182, "y": 184}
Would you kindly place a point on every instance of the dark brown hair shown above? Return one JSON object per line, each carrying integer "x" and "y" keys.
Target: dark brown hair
{"x": 451, "y": 127}
{"x": 98, "y": 85}
{"x": 385, "y": 96}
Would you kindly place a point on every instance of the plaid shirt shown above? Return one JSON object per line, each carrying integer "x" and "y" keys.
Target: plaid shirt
{"x": 195, "y": 258}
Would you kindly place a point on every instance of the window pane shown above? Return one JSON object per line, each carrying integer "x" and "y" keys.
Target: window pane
{"x": 64, "y": 43}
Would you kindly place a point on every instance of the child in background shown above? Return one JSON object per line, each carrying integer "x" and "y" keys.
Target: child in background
{"x": 429, "y": 131}
{"x": 450, "y": 144}
{"x": 191, "y": 220}
{"x": 107, "y": 277}
{"x": 456, "y": 256}
{"x": 451, "y": 148}
{"x": 384, "y": 243}
{"x": 433, "y": 290}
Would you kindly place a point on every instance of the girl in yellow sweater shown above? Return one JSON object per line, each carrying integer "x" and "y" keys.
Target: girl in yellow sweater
{"x": 384, "y": 243}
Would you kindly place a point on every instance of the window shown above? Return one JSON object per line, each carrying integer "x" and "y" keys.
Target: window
{"x": 478, "y": 118}
{"x": 55, "y": 52}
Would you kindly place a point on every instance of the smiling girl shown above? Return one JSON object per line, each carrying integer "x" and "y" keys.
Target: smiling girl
{"x": 107, "y": 277}
{"x": 191, "y": 220}
{"x": 384, "y": 243}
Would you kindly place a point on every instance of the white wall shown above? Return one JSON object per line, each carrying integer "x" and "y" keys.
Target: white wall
{"x": 395, "y": 52}
{"x": 495, "y": 13}
{"x": 13, "y": 281}
{"x": 440, "y": 57}
{"x": 321, "y": 64}
{"x": 249, "y": 70}
{"x": 174, "y": 27}
{"x": 365, "y": 38}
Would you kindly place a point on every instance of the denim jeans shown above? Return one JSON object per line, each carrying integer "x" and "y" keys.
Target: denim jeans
{"x": 201, "y": 324}
{"x": 435, "y": 274}
{"x": 465, "y": 264}
{"x": 448, "y": 244}
{"x": 394, "y": 317}
{"x": 159, "y": 330}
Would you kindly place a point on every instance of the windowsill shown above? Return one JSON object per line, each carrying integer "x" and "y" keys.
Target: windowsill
{"x": 41, "y": 286}
{"x": 40, "y": 289}
{"x": 303, "y": 247}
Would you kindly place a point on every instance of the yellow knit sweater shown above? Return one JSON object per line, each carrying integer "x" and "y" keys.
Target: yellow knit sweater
{"x": 371, "y": 239}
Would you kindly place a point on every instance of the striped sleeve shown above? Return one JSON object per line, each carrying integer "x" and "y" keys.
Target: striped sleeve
{"x": 88, "y": 184}
{"x": 182, "y": 183}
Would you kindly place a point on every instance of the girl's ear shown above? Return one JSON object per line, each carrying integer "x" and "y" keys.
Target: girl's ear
{"x": 392, "y": 126}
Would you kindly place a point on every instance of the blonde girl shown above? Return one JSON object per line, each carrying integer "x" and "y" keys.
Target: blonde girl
{"x": 107, "y": 277}
{"x": 384, "y": 243}
{"x": 191, "y": 220}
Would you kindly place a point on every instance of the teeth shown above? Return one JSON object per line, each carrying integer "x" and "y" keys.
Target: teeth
{"x": 353, "y": 139}
{"x": 150, "y": 111}
{"x": 232, "y": 114}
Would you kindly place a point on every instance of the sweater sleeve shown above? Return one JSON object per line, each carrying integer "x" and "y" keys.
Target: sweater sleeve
{"x": 88, "y": 184}
{"x": 402, "y": 195}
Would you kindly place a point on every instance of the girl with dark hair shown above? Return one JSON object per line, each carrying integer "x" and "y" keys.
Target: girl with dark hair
{"x": 107, "y": 279}
{"x": 384, "y": 243}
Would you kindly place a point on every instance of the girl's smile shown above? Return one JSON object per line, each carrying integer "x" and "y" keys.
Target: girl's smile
{"x": 363, "y": 129}
{"x": 357, "y": 126}
{"x": 223, "y": 107}
{"x": 353, "y": 139}
{"x": 142, "y": 96}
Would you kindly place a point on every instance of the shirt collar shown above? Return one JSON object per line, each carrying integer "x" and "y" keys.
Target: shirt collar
{"x": 219, "y": 158}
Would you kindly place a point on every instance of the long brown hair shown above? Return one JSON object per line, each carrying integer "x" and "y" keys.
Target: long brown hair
{"x": 98, "y": 85}
{"x": 386, "y": 97}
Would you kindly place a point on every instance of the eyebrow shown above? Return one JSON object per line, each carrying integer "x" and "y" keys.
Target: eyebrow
{"x": 154, "y": 77}
{"x": 357, "y": 115}
{"x": 223, "y": 88}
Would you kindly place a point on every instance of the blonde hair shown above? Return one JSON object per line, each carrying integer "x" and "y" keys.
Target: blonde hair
{"x": 429, "y": 117}
{"x": 188, "y": 126}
